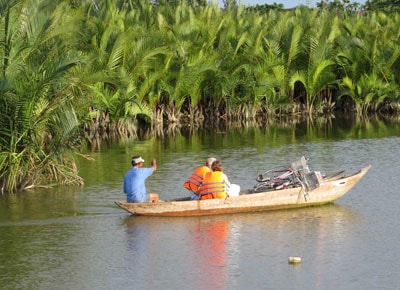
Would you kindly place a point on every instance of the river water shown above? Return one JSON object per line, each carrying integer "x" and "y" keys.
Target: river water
{"x": 76, "y": 238}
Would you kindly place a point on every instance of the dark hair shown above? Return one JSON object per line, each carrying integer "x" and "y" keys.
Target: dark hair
{"x": 133, "y": 159}
{"x": 216, "y": 166}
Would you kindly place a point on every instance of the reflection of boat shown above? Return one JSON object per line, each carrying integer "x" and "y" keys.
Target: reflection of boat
{"x": 320, "y": 191}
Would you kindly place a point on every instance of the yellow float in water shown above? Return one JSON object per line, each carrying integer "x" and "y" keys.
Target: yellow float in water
{"x": 294, "y": 260}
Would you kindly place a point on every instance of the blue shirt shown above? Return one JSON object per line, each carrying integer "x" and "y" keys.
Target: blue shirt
{"x": 134, "y": 185}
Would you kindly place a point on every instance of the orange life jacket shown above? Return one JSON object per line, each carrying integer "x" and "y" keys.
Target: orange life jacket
{"x": 196, "y": 179}
{"x": 214, "y": 186}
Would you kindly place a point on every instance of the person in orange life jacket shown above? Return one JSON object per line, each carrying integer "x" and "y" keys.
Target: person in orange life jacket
{"x": 215, "y": 184}
{"x": 195, "y": 180}
{"x": 134, "y": 181}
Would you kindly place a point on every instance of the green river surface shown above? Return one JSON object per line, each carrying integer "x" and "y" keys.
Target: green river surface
{"x": 76, "y": 238}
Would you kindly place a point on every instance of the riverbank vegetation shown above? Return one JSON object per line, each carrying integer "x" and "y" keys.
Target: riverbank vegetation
{"x": 76, "y": 72}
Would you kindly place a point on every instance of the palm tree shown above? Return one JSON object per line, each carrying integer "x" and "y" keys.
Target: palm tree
{"x": 190, "y": 36}
{"x": 315, "y": 73}
{"x": 275, "y": 48}
{"x": 119, "y": 53}
{"x": 368, "y": 56}
{"x": 38, "y": 122}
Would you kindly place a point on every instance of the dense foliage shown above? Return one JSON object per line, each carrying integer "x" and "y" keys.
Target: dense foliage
{"x": 81, "y": 70}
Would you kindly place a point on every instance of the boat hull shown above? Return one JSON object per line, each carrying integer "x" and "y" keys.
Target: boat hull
{"x": 329, "y": 191}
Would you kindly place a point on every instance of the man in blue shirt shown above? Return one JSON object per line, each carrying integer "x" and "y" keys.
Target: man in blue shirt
{"x": 134, "y": 181}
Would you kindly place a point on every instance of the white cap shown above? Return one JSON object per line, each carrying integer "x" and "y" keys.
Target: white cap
{"x": 210, "y": 161}
{"x": 137, "y": 160}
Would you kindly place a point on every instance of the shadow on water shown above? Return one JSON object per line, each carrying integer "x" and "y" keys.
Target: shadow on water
{"x": 331, "y": 213}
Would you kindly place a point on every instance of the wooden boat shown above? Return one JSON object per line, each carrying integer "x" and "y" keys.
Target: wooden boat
{"x": 329, "y": 188}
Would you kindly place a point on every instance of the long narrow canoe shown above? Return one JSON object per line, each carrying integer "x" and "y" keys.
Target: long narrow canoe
{"x": 328, "y": 191}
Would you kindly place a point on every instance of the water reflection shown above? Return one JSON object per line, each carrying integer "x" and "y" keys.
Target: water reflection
{"x": 203, "y": 241}
{"x": 209, "y": 242}
{"x": 216, "y": 252}
{"x": 284, "y": 131}
{"x": 65, "y": 238}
